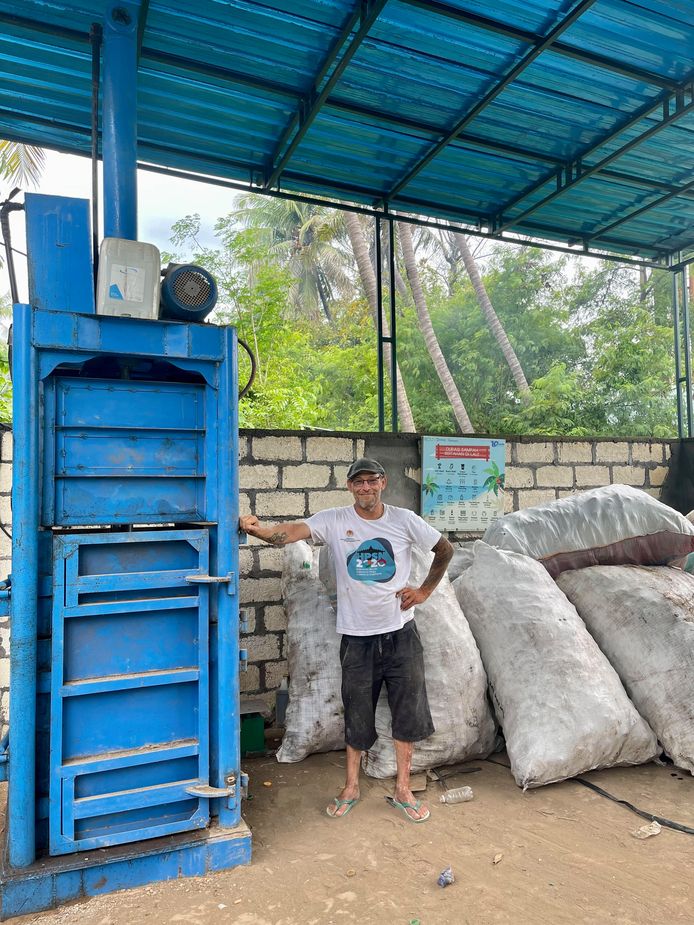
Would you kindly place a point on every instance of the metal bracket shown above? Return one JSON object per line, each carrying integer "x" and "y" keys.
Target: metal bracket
{"x": 208, "y": 792}
{"x": 228, "y": 580}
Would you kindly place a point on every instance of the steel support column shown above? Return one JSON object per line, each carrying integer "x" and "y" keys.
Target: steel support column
{"x": 21, "y": 804}
{"x": 393, "y": 333}
{"x": 379, "y": 325}
{"x": 682, "y": 334}
{"x": 120, "y": 119}
{"x": 687, "y": 338}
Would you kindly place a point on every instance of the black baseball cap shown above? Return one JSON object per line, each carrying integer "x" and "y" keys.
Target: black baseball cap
{"x": 365, "y": 465}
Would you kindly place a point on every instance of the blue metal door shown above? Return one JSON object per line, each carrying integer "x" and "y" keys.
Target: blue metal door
{"x": 129, "y": 687}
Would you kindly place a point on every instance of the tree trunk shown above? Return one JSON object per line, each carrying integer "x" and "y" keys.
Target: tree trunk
{"x": 427, "y": 328}
{"x": 368, "y": 280}
{"x": 490, "y": 315}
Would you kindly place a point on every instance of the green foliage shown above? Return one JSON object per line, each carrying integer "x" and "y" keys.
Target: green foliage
{"x": 594, "y": 340}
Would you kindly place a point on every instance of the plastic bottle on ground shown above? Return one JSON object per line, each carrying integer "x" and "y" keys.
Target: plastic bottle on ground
{"x": 459, "y": 795}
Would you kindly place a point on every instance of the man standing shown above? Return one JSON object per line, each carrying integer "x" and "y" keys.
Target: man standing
{"x": 371, "y": 543}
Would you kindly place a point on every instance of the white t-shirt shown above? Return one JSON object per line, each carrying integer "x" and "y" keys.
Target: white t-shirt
{"x": 372, "y": 563}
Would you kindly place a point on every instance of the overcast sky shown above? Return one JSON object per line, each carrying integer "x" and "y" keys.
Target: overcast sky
{"x": 161, "y": 201}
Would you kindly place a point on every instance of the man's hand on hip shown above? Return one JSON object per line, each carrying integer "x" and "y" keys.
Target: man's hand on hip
{"x": 409, "y": 597}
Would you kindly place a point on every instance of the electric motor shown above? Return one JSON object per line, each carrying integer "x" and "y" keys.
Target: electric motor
{"x": 188, "y": 293}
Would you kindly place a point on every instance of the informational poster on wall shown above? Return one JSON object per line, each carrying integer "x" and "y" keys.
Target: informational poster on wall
{"x": 462, "y": 482}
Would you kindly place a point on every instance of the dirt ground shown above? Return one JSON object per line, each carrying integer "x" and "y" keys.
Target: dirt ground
{"x": 560, "y": 854}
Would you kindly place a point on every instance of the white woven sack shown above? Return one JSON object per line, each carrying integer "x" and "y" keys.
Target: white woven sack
{"x": 561, "y": 705}
{"x": 315, "y": 719}
{"x": 608, "y": 521}
{"x": 643, "y": 620}
{"x": 456, "y": 687}
{"x": 461, "y": 559}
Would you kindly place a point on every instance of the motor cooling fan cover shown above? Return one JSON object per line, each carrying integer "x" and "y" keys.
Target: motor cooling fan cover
{"x": 188, "y": 293}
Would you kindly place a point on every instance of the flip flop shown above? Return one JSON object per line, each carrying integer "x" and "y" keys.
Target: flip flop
{"x": 405, "y": 806}
{"x": 350, "y": 804}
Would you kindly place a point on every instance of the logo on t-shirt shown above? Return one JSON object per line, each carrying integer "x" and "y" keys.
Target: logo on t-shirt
{"x": 373, "y": 561}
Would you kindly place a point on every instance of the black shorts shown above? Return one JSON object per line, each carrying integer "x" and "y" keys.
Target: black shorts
{"x": 368, "y": 661}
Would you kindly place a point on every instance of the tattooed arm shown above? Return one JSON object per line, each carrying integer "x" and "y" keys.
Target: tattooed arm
{"x": 278, "y": 535}
{"x": 443, "y": 552}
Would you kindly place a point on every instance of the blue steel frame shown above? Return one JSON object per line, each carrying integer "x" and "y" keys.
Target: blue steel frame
{"x": 45, "y": 340}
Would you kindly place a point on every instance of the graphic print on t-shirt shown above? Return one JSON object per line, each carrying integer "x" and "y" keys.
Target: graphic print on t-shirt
{"x": 373, "y": 561}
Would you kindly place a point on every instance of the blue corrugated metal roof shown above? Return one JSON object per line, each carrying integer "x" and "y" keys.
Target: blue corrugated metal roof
{"x": 568, "y": 120}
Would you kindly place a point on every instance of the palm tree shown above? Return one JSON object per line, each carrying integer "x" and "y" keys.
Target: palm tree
{"x": 21, "y": 164}
{"x": 427, "y": 328}
{"x": 302, "y": 237}
{"x": 490, "y": 316}
{"x": 367, "y": 275}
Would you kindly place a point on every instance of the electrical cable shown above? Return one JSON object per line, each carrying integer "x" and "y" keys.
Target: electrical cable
{"x": 245, "y": 389}
{"x": 5, "y": 209}
{"x": 15, "y": 250}
{"x": 666, "y": 823}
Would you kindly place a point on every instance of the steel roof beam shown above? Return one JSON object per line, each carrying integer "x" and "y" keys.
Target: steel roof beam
{"x": 573, "y": 173}
{"x": 366, "y": 13}
{"x": 532, "y": 38}
{"x": 602, "y": 232}
{"x": 141, "y": 25}
{"x": 525, "y": 61}
{"x": 655, "y": 262}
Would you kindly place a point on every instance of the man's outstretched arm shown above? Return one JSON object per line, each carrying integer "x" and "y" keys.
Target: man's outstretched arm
{"x": 443, "y": 551}
{"x": 277, "y": 535}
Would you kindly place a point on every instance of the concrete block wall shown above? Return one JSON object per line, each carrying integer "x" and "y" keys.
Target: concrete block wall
{"x": 288, "y": 476}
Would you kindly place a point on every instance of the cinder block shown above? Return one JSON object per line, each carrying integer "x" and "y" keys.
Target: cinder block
{"x": 519, "y": 477}
{"x": 243, "y": 447}
{"x": 275, "y": 618}
{"x": 244, "y": 504}
{"x": 4, "y": 672}
{"x": 340, "y": 474}
{"x": 280, "y": 504}
{"x": 554, "y": 476}
{"x": 255, "y": 476}
{"x": 509, "y": 451}
{"x": 277, "y": 448}
{"x": 321, "y": 500}
{"x": 305, "y": 475}
{"x": 250, "y": 618}
{"x": 360, "y": 451}
{"x": 6, "y": 446}
{"x": 6, "y": 477}
{"x": 252, "y": 590}
{"x": 656, "y": 476}
{"x": 275, "y": 672}
{"x": 319, "y": 449}
{"x": 535, "y": 452}
{"x": 509, "y": 501}
{"x": 567, "y": 492}
{"x": 648, "y": 452}
{"x": 611, "y": 451}
{"x": 270, "y": 558}
{"x": 249, "y": 680}
{"x": 575, "y": 452}
{"x": 532, "y": 498}
{"x": 654, "y": 492}
{"x": 6, "y": 512}
{"x": 245, "y": 560}
{"x": 262, "y": 648}
{"x": 592, "y": 476}
{"x": 629, "y": 475}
